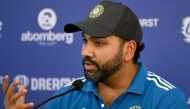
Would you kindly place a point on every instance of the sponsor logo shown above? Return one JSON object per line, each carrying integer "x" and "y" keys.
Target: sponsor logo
{"x": 1, "y": 24}
{"x": 1, "y": 79}
{"x": 149, "y": 22}
{"x": 24, "y": 80}
{"x": 48, "y": 84}
{"x": 186, "y": 29}
{"x": 47, "y": 39}
{"x": 41, "y": 83}
{"x": 47, "y": 19}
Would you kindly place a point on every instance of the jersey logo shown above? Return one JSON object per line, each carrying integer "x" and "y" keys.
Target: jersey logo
{"x": 160, "y": 82}
{"x": 135, "y": 107}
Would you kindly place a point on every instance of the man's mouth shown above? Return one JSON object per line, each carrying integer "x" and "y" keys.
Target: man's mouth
{"x": 88, "y": 65}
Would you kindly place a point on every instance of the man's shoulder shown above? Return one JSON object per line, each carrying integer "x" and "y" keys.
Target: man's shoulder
{"x": 155, "y": 82}
{"x": 160, "y": 91}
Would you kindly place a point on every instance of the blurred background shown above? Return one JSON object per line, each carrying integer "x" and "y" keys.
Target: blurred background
{"x": 35, "y": 49}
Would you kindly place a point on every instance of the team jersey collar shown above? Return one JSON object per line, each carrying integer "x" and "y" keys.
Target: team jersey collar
{"x": 89, "y": 86}
{"x": 137, "y": 85}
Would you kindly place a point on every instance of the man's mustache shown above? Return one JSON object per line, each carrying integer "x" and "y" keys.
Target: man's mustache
{"x": 91, "y": 61}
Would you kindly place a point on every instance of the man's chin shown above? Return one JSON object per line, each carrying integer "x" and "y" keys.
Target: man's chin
{"x": 90, "y": 76}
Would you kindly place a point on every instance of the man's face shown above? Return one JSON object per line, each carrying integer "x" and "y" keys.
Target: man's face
{"x": 102, "y": 57}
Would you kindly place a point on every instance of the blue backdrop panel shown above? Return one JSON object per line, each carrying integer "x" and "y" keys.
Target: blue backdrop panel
{"x": 35, "y": 49}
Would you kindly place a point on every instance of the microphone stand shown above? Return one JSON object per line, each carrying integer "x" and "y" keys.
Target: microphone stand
{"x": 71, "y": 89}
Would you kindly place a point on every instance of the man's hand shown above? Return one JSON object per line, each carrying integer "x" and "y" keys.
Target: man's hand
{"x": 14, "y": 100}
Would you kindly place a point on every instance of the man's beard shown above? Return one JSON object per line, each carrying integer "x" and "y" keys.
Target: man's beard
{"x": 106, "y": 70}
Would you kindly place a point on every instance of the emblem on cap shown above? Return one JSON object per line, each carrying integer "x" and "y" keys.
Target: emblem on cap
{"x": 97, "y": 11}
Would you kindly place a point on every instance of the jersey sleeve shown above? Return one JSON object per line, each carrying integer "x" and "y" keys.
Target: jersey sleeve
{"x": 172, "y": 99}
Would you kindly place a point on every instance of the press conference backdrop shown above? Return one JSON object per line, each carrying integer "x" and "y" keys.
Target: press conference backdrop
{"x": 35, "y": 49}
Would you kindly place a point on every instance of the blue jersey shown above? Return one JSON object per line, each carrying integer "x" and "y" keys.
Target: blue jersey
{"x": 147, "y": 91}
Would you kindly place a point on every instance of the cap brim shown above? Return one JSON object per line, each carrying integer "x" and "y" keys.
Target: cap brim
{"x": 87, "y": 27}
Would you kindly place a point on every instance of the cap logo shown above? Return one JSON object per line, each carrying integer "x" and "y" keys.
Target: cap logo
{"x": 97, "y": 11}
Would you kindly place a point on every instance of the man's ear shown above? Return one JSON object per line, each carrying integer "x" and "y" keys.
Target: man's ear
{"x": 129, "y": 50}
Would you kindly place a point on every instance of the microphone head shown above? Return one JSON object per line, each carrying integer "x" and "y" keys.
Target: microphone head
{"x": 78, "y": 84}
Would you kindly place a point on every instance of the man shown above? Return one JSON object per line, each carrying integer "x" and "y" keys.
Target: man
{"x": 114, "y": 78}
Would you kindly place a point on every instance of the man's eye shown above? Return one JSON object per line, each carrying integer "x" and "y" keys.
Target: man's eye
{"x": 98, "y": 43}
{"x": 84, "y": 40}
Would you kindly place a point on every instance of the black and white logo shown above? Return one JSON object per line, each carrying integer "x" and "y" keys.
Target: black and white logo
{"x": 1, "y": 24}
{"x": 24, "y": 80}
{"x": 47, "y": 19}
{"x": 186, "y": 29}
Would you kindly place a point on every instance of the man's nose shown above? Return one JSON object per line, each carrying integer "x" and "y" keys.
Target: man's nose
{"x": 87, "y": 50}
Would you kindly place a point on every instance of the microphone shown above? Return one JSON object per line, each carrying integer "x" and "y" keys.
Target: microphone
{"x": 77, "y": 85}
